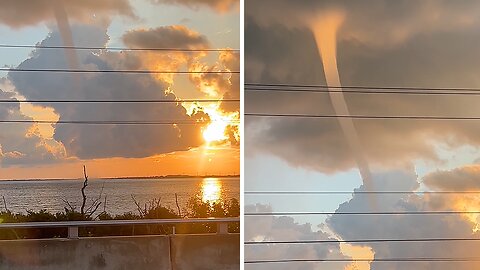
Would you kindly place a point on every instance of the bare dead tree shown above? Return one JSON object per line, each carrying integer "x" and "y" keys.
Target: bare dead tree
{"x": 105, "y": 205}
{"x": 85, "y": 184}
{"x": 70, "y": 206}
{"x": 142, "y": 212}
{"x": 178, "y": 207}
{"x": 5, "y": 204}
{"x": 149, "y": 207}
{"x": 96, "y": 203}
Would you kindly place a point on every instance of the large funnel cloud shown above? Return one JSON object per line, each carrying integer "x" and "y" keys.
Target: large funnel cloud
{"x": 325, "y": 29}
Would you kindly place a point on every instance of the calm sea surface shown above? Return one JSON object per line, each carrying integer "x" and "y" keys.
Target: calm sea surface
{"x": 49, "y": 194}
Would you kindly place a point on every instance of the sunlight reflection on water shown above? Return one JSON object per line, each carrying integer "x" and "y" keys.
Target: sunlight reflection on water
{"x": 211, "y": 190}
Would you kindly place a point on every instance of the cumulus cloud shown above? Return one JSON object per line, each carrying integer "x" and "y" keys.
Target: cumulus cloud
{"x": 108, "y": 140}
{"x": 407, "y": 226}
{"x": 175, "y": 36}
{"x": 226, "y": 86}
{"x": 356, "y": 227}
{"x": 463, "y": 178}
{"x": 212, "y": 85}
{"x": 218, "y": 5}
{"x": 429, "y": 56}
{"x": 286, "y": 229}
{"x": 22, "y": 144}
{"x": 24, "y": 13}
{"x": 458, "y": 179}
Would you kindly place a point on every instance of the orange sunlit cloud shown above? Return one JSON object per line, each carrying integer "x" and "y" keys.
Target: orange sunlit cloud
{"x": 357, "y": 252}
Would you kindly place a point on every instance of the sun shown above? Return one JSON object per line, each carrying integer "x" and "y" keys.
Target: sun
{"x": 217, "y": 128}
{"x": 215, "y": 131}
{"x": 220, "y": 121}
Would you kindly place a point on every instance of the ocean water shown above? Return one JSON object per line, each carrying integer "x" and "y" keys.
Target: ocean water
{"x": 21, "y": 196}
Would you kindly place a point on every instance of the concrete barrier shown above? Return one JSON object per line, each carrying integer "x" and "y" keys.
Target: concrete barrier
{"x": 179, "y": 252}
{"x": 205, "y": 252}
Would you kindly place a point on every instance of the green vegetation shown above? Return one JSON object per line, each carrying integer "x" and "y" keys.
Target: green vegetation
{"x": 196, "y": 208}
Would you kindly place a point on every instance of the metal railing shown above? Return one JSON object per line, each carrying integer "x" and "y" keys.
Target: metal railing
{"x": 222, "y": 224}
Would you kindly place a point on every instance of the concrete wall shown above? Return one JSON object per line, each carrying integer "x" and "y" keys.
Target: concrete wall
{"x": 179, "y": 252}
{"x": 206, "y": 252}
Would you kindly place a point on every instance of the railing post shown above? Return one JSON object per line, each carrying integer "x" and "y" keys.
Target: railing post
{"x": 222, "y": 228}
{"x": 72, "y": 232}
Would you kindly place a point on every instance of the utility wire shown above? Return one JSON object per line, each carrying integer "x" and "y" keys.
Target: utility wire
{"x": 415, "y": 259}
{"x": 370, "y": 92}
{"x": 362, "y": 213}
{"x": 361, "y": 87}
{"x": 110, "y": 122}
{"x": 364, "y": 117}
{"x": 354, "y": 192}
{"x": 116, "y": 101}
{"x": 117, "y": 48}
{"x": 116, "y": 71}
{"x": 332, "y": 241}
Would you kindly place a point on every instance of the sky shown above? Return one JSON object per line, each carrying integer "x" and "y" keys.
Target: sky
{"x": 361, "y": 43}
{"x": 207, "y": 144}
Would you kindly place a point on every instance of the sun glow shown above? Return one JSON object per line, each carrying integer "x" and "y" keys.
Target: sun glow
{"x": 468, "y": 203}
{"x": 220, "y": 121}
{"x": 215, "y": 132}
{"x": 211, "y": 190}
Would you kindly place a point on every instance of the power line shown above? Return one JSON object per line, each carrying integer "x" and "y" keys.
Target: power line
{"x": 117, "y": 48}
{"x": 389, "y": 92}
{"x": 116, "y": 71}
{"x": 364, "y": 87}
{"x": 333, "y": 241}
{"x": 354, "y": 192}
{"x": 117, "y": 101}
{"x": 110, "y": 122}
{"x": 416, "y": 259}
{"x": 365, "y": 117}
{"x": 362, "y": 213}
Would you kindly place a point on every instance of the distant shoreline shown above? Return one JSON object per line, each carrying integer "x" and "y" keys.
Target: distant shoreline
{"x": 127, "y": 177}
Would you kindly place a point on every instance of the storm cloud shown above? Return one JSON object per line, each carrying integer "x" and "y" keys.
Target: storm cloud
{"x": 435, "y": 53}
{"x": 25, "y": 13}
{"x": 105, "y": 141}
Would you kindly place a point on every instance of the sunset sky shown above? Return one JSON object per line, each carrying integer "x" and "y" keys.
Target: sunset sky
{"x": 379, "y": 43}
{"x": 208, "y": 144}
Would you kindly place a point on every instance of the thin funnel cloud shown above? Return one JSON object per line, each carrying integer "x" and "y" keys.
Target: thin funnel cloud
{"x": 65, "y": 30}
{"x": 325, "y": 29}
